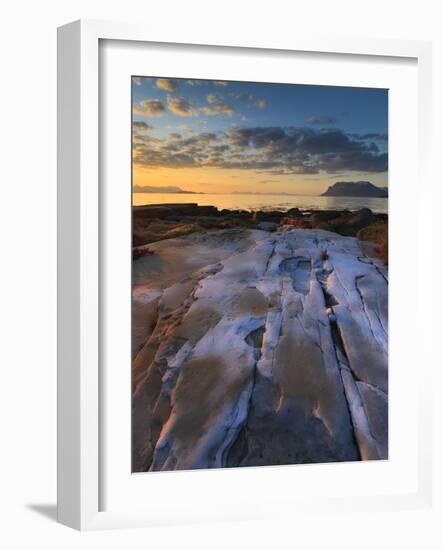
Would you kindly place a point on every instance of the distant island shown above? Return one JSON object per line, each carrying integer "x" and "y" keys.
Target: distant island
{"x": 355, "y": 189}
{"x": 164, "y": 189}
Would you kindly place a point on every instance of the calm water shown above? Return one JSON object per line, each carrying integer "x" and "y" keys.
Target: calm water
{"x": 265, "y": 202}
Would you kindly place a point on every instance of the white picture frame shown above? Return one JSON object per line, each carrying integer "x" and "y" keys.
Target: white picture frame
{"x": 79, "y": 259}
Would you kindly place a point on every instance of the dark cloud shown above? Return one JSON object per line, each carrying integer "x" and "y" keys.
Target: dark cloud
{"x": 334, "y": 141}
{"x": 322, "y": 120}
{"x": 373, "y": 136}
{"x": 141, "y": 126}
{"x": 273, "y": 150}
{"x": 256, "y": 137}
{"x": 358, "y": 161}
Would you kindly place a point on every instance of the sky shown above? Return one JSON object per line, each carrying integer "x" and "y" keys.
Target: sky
{"x": 223, "y": 136}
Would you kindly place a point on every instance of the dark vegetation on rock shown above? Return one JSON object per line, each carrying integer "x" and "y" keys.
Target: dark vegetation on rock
{"x": 378, "y": 234}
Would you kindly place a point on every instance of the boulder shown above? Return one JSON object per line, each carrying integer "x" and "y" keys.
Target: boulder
{"x": 351, "y": 223}
{"x": 268, "y": 216}
{"x": 294, "y": 213}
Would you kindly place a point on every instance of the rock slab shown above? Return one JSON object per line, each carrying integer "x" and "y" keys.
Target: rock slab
{"x": 255, "y": 348}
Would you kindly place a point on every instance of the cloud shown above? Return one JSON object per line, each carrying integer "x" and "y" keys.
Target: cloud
{"x": 374, "y": 136}
{"x": 180, "y": 106}
{"x": 261, "y": 103}
{"x": 251, "y": 100}
{"x": 218, "y": 109}
{"x": 137, "y": 80}
{"x": 200, "y": 82}
{"x": 358, "y": 161}
{"x": 304, "y": 150}
{"x": 186, "y": 129}
{"x": 140, "y": 126}
{"x": 214, "y": 98}
{"x": 177, "y": 153}
{"x": 217, "y": 106}
{"x": 149, "y": 107}
{"x": 322, "y": 120}
{"x": 167, "y": 84}
{"x": 272, "y": 150}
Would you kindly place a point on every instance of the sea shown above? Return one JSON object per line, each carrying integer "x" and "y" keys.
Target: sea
{"x": 265, "y": 202}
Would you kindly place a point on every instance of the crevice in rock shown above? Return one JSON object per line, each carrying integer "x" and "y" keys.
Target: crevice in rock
{"x": 339, "y": 348}
{"x": 367, "y": 260}
{"x": 357, "y": 287}
{"x": 308, "y": 336}
{"x": 322, "y": 277}
{"x": 363, "y": 305}
{"x": 380, "y": 272}
{"x": 164, "y": 350}
{"x": 238, "y": 448}
{"x": 255, "y": 340}
{"x": 343, "y": 363}
{"x": 270, "y": 256}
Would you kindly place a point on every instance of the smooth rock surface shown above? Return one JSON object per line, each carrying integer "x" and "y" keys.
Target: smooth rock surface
{"x": 256, "y": 348}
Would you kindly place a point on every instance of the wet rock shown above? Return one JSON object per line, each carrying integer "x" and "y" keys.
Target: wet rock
{"x": 268, "y": 216}
{"x": 294, "y": 212}
{"x": 327, "y": 215}
{"x": 350, "y": 224}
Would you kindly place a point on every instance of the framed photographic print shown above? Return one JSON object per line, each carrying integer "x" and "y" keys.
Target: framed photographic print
{"x": 225, "y": 211}
{"x": 258, "y": 337}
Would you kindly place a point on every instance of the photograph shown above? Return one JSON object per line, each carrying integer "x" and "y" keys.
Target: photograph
{"x": 259, "y": 273}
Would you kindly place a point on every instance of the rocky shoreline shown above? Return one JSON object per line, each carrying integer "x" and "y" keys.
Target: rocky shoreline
{"x": 152, "y": 223}
{"x": 258, "y": 338}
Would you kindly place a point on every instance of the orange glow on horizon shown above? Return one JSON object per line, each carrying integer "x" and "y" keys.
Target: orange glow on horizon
{"x": 218, "y": 180}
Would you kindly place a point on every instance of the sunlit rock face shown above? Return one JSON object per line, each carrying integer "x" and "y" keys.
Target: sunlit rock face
{"x": 256, "y": 348}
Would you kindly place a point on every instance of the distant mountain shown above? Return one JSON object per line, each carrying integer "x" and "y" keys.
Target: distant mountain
{"x": 165, "y": 189}
{"x": 355, "y": 189}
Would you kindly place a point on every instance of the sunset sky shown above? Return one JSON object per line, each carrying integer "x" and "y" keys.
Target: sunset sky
{"x": 224, "y": 137}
